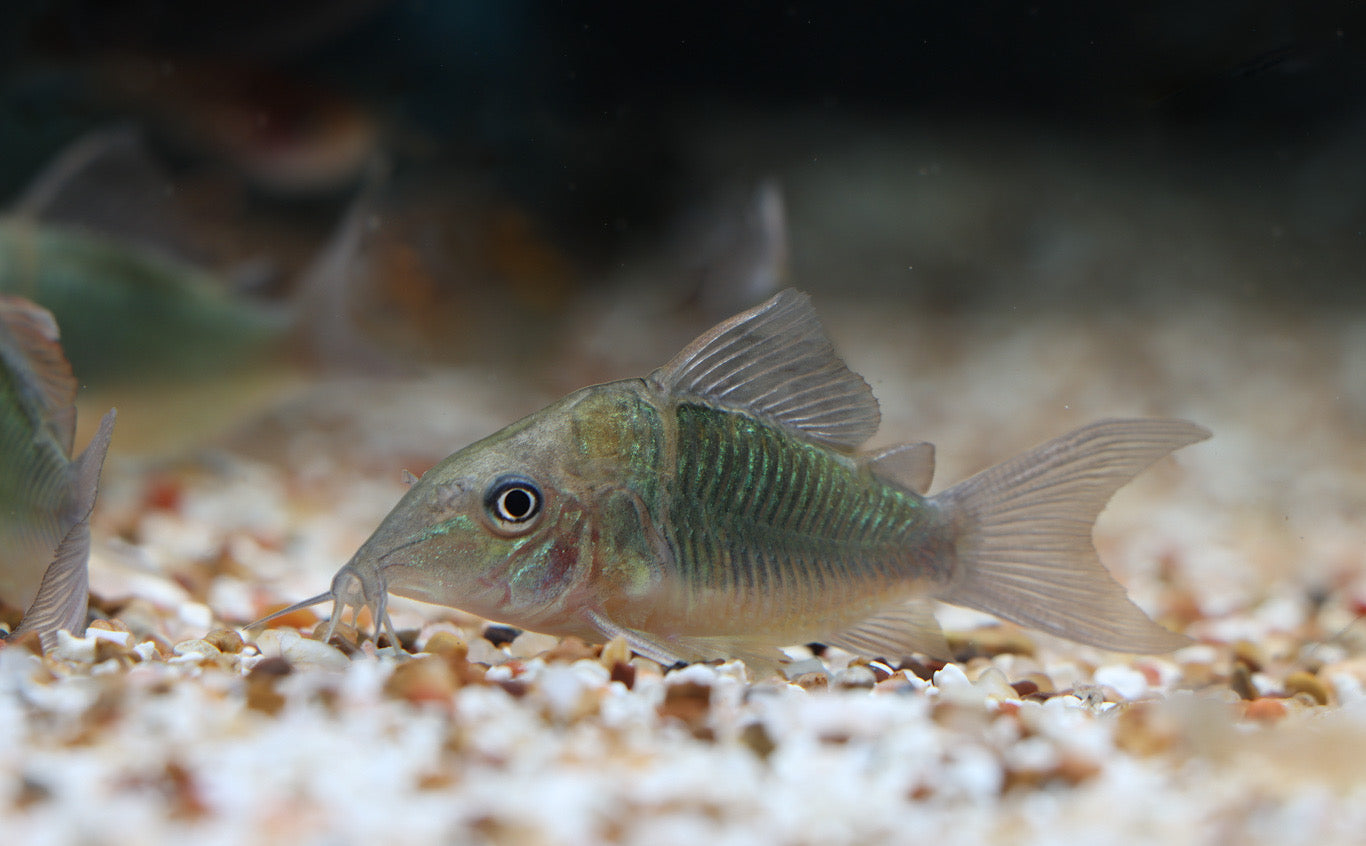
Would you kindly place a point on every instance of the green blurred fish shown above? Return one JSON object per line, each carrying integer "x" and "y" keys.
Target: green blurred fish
{"x": 46, "y": 496}
{"x": 125, "y": 309}
{"x": 129, "y": 309}
{"x": 720, "y": 508}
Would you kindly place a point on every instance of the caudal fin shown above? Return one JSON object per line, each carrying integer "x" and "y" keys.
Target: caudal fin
{"x": 1024, "y": 534}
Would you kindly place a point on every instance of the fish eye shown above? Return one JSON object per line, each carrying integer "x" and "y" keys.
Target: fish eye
{"x": 513, "y": 501}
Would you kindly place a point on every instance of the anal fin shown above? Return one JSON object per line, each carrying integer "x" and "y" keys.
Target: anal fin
{"x": 895, "y": 633}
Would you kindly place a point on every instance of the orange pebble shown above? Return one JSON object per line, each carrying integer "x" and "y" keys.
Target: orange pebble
{"x": 1264, "y": 709}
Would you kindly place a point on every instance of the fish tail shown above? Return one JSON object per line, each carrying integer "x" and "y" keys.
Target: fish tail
{"x": 1023, "y": 534}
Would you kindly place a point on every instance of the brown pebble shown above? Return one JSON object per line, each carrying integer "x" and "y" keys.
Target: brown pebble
{"x": 261, "y": 693}
{"x": 226, "y": 641}
{"x": 428, "y": 679}
{"x": 1241, "y": 682}
{"x": 516, "y": 688}
{"x": 756, "y": 737}
{"x": 1025, "y": 688}
{"x": 881, "y": 672}
{"x": 624, "y": 672}
{"x": 500, "y": 635}
{"x": 923, "y": 670}
{"x": 1307, "y": 683}
{"x": 688, "y": 702}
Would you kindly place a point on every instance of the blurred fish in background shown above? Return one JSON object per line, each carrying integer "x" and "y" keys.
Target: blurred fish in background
{"x": 46, "y": 492}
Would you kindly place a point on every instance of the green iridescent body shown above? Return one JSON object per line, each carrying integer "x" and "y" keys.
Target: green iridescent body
{"x": 721, "y": 508}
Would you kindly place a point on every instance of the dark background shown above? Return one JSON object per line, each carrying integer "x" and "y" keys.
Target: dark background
{"x": 584, "y": 116}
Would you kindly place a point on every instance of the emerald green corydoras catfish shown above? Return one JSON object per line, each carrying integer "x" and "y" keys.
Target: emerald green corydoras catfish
{"x": 720, "y": 508}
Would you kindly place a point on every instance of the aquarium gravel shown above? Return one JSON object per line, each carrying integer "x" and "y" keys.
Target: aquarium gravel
{"x": 165, "y": 722}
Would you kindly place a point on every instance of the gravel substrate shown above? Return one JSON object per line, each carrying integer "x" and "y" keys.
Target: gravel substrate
{"x": 161, "y": 725}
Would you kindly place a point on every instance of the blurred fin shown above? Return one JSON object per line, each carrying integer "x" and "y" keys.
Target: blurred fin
{"x": 742, "y": 258}
{"x": 64, "y": 594}
{"x": 32, "y": 351}
{"x": 74, "y": 159}
{"x": 327, "y": 292}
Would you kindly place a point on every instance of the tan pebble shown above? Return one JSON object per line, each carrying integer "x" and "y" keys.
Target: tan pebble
{"x": 106, "y": 650}
{"x": 531, "y": 644}
{"x": 1197, "y": 675}
{"x": 227, "y": 641}
{"x": 615, "y": 651}
{"x": 428, "y": 679}
{"x": 1143, "y": 730}
{"x": 569, "y": 650}
{"x": 1043, "y": 683}
{"x": 855, "y": 677}
{"x": 811, "y": 681}
{"x": 1074, "y": 769}
{"x": 1250, "y": 654}
{"x": 1307, "y": 683}
{"x": 109, "y": 625}
{"x": 1265, "y": 710}
{"x": 141, "y": 618}
{"x": 448, "y": 645}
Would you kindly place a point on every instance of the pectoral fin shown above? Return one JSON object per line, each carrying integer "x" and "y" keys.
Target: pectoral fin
{"x": 64, "y": 593}
{"x": 762, "y": 658}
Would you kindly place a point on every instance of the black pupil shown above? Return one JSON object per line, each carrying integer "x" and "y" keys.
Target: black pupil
{"x": 517, "y": 503}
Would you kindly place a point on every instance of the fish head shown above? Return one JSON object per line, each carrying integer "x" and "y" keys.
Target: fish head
{"x": 500, "y": 529}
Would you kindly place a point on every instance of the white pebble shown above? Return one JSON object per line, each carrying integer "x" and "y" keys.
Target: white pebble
{"x": 121, "y": 638}
{"x": 76, "y": 649}
{"x": 1126, "y": 681}
{"x": 195, "y": 614}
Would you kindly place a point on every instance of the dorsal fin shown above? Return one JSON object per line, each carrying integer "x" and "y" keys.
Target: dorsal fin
{"x": 40, "y": 366}
{"x": 909, "y": 465}
{"x": 775, "y": 361}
